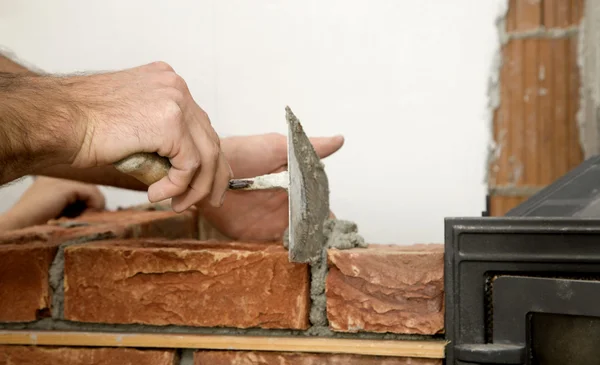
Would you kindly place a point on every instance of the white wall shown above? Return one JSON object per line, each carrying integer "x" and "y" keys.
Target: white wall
{"x": 404, "y": 81}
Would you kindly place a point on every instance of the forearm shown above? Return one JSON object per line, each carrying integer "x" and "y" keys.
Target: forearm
{"x": 36, "y": 125}
{"x": 106, "y": 175}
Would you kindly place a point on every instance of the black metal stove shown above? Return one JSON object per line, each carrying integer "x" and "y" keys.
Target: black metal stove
{"x": 525, "y": 288}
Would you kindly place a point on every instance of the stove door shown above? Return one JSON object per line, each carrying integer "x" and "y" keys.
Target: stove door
{"x": 555, "y": 320}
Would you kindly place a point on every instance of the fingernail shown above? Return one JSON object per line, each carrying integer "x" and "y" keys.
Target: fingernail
{"x": 222, "y": 199}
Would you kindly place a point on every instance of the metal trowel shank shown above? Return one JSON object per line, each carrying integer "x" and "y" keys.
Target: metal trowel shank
{"x": 308, "y": 195}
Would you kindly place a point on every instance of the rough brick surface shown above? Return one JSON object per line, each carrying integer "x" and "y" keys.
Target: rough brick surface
{"x": 26, "y": 254}
{"x": 528, "y": 15}
{"x": 384, "y": 288}
{"x": 191, "y": 283}
{"x": 33, "y": 355}
{"x": 24, "y": 292}
{"x": 535, "y": 124}
{"x": 278, "y": 358}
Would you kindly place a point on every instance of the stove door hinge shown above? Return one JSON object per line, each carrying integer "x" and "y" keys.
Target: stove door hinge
{"x": 490, "y": 354}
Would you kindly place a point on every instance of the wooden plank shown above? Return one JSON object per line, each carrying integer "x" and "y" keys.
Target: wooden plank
{"x": 434, "y": 349}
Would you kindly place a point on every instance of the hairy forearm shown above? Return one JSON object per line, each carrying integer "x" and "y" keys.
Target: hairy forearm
{"x": 106, "y": 175}
{"x": 36, "y": 125}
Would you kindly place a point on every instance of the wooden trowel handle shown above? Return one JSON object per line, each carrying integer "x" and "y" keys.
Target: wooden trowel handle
{"x": 146, "y": 167}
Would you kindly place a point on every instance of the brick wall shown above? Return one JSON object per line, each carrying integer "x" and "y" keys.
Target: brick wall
{"x": 147, "y": 271}
{"x": 535, "y": 128}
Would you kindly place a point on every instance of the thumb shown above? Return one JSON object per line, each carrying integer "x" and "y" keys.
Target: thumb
{"x": 326, "y": 146}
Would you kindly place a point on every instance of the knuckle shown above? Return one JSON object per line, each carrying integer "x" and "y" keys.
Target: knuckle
{"x": 176, "y": 95}
{"x": 172, "y": 112}
{"x": 174, "y": 80}
{"x": 195, "y": 163}
{"x": 212, "y": 152}
{"x": 161, "y": 65}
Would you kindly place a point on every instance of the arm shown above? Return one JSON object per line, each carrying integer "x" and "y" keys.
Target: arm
{"x": 35, "y": 124}
{"x": 102, "y": 175}
{"x": 53, "y": 125}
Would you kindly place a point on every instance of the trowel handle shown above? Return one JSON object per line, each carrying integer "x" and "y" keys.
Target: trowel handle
{"x": 146, "y": 167}
{"x": 151, "y": 167}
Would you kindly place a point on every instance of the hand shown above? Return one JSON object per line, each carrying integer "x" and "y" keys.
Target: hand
{"x": 258, "y": 215}
{"x": 150, "y": 109}
{"x": 46, "y": 199}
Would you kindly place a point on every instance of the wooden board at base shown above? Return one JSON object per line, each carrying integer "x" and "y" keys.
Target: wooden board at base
{"x": 433, "y": 349}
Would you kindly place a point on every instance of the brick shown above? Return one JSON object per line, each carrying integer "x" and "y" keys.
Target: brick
{"x": 386, "y": 288}
{"x": 27, "y": 254}
{"x": 279, "y": 358}
{"x": 190, "y": 283}
{"x": 24, "y": 289}
{"x": 562, "y": 13}
{"x": 524, "y": 15}
{"x": 35, "y": 355}
{"x": 528, "y": 15}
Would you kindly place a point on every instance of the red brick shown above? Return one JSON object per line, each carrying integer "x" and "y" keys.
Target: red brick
{"x": 35, "y": 355}
{"x": 535, "y": 124}
{"x": 24, "y": 289}
{"x": 386, "y": 288}
{"x": 27, "y": 254}
{"x": 528, "y": 15}
{"x": 280, "y": 358}
{"x": 191, "y": 283}
{"x": 524, "y": 15}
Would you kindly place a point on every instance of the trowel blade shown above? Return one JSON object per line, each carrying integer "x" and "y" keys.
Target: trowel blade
{"x": 308, "y": 195}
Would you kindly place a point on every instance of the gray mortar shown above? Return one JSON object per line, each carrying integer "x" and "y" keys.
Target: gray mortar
{"x": 186, "y": 357}
{"x": 57, "y": 269}
{"x": 63, "y": 325}
{"x": 588, "y": 115}
{"x": 493, "y": 89}
{"x": 340, "y": 234}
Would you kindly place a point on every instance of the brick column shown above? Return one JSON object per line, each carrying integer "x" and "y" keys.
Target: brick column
{"x": 535, "y": 130}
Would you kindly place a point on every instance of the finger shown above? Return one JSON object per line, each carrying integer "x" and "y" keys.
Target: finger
{"x": 184, "y": 164}
{"x": 326, "y": 146}
{"x": 201, "y": 185}
{"x": 207, "y": 143}
{"x": 221, "y": 183}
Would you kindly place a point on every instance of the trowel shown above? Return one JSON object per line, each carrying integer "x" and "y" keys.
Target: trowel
{"x": 305, "y": 181}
